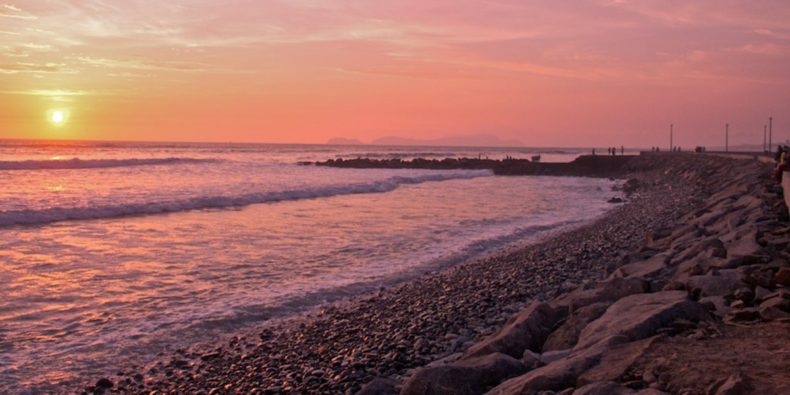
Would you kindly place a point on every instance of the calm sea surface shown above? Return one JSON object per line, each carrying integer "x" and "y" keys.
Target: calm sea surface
{"x": 111, "y": 253}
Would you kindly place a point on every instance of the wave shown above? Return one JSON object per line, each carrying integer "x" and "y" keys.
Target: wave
{"x": 56, "y": 214}
{"x": 77, "y": 163}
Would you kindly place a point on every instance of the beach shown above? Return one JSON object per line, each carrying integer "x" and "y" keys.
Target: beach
{"x": 386, "y": 335}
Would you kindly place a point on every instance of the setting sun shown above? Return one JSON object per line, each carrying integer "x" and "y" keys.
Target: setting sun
{"x": 58, "y": 117}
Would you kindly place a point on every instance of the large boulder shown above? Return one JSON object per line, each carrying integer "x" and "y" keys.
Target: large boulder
{"x": 379, "y": 386}
{"x": 526, "y": 330}
{"x": 630, "y": 319}
{"x": 647, "y": 268}
{"x": 639, "y": 316}
{"x": 567, "y": 334}
{"x": 470, "y": 376}
{"x": 721, "y": 283}
{"x": 617, "y": 361}
{"x": 603, "y": 292}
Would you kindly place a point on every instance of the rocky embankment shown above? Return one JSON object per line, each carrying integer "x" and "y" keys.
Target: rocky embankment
{"x": 726, "y": 265}
{"x": 654, "y": 297}
{"x": 583, "y": 166}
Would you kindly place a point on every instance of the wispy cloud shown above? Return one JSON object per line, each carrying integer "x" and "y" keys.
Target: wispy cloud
{"x": 12, "y": 11}
{"x": 134, "y": 64}
{"x": 20, "y": 67}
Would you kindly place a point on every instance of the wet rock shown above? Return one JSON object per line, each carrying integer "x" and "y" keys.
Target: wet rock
{"x": 469, "y": 376}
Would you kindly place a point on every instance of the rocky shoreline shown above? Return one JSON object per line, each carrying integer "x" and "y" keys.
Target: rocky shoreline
{"x": 699, "y": 245}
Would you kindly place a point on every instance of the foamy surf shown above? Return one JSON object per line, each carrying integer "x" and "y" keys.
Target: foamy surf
{"x": 56, "y": 214}
{"x": 77, "y": 163}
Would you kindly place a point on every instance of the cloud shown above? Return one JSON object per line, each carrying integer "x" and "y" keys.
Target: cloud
{"x": 35, "y": 68}
{"x": 11, "y": 11}
{"x": 134, "y": 64}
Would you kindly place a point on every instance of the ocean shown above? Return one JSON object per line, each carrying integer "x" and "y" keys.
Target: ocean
{"x": 114, "y": 253}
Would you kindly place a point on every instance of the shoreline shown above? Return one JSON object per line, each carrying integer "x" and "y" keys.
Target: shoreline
{"x": 192, "y": 371}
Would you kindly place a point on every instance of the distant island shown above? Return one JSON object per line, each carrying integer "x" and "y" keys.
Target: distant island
{"x": 343, "y": 141}
{"x": 471, "y": 140}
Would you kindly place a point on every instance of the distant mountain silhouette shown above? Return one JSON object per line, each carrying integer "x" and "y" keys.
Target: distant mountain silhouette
{"x": 471, "y": 140}
{"x": 342, "y": 141}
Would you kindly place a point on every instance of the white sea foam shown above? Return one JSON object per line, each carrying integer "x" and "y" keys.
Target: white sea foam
{"x": 55, "y": 214}
{"x": 77, "y": 163}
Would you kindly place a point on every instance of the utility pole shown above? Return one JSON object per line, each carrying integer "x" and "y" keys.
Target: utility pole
{"x": 671, "y": 132}
{"x": 765, "y": 136}
{"x": 770, "y": 133}
{"x": 727, "y": 137}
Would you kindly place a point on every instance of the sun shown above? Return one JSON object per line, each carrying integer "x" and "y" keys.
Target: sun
{"x": 58, "y": 117}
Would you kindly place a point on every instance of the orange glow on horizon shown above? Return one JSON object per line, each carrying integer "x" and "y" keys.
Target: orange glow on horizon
{"x": 542, "y": 73}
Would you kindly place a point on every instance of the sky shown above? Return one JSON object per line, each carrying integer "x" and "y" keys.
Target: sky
{"x": 542, "y": 72}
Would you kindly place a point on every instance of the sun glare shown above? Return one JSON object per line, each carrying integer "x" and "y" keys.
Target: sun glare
{"x": 58, "y": 117}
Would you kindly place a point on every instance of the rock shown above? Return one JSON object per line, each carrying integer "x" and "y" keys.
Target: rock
{"x": 379, "y": 386}
{"x": 632, "y": 318}
{"x": 617, "y": 361}
{"x": 651, "y": 391}
{"x": 104, "y": 383}
{"x": 760, "y": 293}
{"x": 640, "y": 316}
{"x": 469, "y": 376}
{"x": 744, "y": 294}
{"x": 758, "y": 275}
{"x": 744, "y": 315}
{"x": 745, "y": 246}
{"x": 775, "y": 309}
{"x": 604, "y": 388}
{"x": 551, "y": 356}
{"x": 531, "y": 360}
{"x": 603, "y": 292}
{"x": 526, "y": 330}
{"x": 647, "y": 269}
{"x": 736, "y": 384}
{"x": 567, "y": 334}
{"x": 715, "y": 303}
{"x": 615, "y": 200}
{"x": 782, "y": 276}
{"x": 722, "y": 284}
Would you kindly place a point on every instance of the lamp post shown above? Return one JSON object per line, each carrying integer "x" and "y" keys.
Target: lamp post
{"x": 765, "y": 136}
{"x": 727, "y": 137}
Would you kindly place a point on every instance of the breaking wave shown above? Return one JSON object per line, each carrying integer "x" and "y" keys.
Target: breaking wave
{"x": 77, "y": 163}
{"x": 55, "y": 214}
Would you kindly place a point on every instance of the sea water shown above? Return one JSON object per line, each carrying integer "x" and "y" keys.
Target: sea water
{"x": 112, "y": 253}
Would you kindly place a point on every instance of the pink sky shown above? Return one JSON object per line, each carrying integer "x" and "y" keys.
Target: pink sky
{"x": 547, "y": 73}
